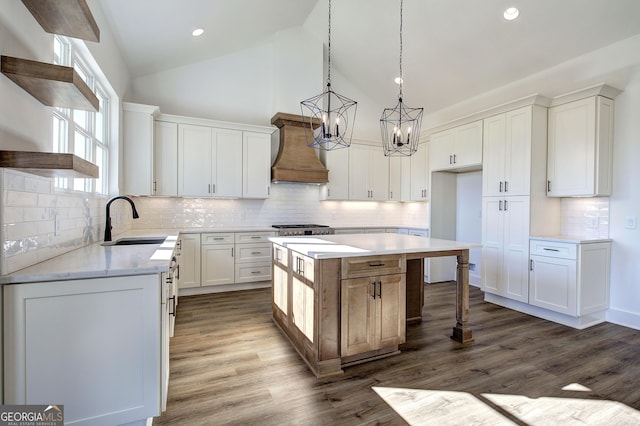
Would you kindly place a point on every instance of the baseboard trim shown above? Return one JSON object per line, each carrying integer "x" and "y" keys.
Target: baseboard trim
{"x": 623, "y": 318}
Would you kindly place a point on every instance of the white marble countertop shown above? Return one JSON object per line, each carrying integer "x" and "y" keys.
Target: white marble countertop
{"x": 571, "y": 239}
{"x": 352, "y": 245}
{"x": 98, "y": 261}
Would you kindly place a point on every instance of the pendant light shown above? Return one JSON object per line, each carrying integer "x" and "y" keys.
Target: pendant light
{"x": 329, "y": 116}
{"x": 400, "y": 125}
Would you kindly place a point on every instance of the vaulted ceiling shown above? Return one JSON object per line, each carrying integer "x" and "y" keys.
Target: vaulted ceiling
{"x": 452, "y": 50}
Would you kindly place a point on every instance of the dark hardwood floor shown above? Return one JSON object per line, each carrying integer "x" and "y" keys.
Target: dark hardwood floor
{"x": 231, "y": 365}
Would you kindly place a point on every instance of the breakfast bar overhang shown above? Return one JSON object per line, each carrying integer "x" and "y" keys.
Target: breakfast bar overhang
{"x": 346, "y": 299}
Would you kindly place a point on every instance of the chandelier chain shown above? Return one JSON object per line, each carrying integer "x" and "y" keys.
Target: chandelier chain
{"x": 329, "y": 48}
{"x": 401, "y": 1}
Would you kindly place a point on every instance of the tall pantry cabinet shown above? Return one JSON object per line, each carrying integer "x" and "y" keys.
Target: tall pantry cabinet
{"x": 515, "y": 205}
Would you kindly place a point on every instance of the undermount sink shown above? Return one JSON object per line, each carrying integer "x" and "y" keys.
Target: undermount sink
{"x": 134, "y": 241}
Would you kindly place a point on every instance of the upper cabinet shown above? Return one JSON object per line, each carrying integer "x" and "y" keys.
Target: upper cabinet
{"x": 419, "y": 165}
{"x": 167, "y": 155}
{"x": 368, "y": 173}
{"x": 137, "y": 158}
{"x": 256, "y": 162}
{"x": 581, "y": 147}
{"x": 512, "y": 143}
{"x": 209, "y": 162}
{"x": 337, "y": 162}
{"x": 457, "y": 149}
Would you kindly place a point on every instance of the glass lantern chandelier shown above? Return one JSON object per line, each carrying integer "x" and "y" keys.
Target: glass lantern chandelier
{"x": 329, "y": 117}
{"x": 400, "y": 125}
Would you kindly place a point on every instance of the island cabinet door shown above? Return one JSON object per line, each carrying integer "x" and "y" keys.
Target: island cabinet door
{"x": 373, "y": 313}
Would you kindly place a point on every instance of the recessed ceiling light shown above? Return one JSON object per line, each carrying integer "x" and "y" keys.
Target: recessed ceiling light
{"x": 398, "y": 80}
{"x": 197, "y": 32}
{"x": 511, "y": 13}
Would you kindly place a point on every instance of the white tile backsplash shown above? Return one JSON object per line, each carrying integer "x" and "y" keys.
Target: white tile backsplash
{"x": 585, "y": 217}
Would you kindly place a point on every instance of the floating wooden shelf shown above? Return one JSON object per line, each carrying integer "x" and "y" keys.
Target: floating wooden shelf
{"x": 49, "y": 164}
{"x": 71, "y": 18}
{"x": 53, "y": 85}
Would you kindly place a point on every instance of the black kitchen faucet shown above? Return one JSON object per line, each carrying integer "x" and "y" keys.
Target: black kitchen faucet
{"x": 107, "y": 227}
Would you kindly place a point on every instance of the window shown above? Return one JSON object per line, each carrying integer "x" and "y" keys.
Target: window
{"x": 83, "y": 133}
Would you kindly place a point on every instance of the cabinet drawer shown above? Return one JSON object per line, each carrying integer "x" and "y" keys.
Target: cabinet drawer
{"x": 253, "y": 237}
{"x": 218, "y": 238}
{"x": 280, "y": 255}
{"x": 353, "y": 267}
{"x": 253, "y": 253}
{"x": 552, "y": 249}
{"x": 249, "y": 272}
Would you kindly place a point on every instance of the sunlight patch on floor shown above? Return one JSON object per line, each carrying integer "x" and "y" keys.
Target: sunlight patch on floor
{"x": 429, "y": 407}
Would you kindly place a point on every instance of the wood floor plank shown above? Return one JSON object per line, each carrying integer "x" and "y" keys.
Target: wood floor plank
{"x": 230, "y": 365}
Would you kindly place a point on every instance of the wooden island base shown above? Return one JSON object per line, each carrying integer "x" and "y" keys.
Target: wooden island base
{"x": 338, "y": 312}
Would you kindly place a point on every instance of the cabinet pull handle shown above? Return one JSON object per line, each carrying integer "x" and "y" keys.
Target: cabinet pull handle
{"x": 154, "y": 186}
{"x": 255, "y": 237}
{"x": 450, "y": 159}
{"x": 500, "y": 186}
{"x": 209, "y": 189}
{"x": 550, "y": 249}
{"x": 376, "y": 264}
{"x": 379, "y": 289}
{"x": 173, "y": 304}
{"x": 500, "y": 205}
{"x": 548, "y": 186}
{"x": 256, "y": 252}
{"x": 178, "y": 272}
{"x": 391, "y": 195}
{"x": 454, "y": 159}
{"x": 506, "y": 186}
{"x": 531, "y": 264}
{"x": 374, "y": 289}
{"x": 232, "y": 251}
{"x": 255, "y": 272}
{"x": 505, "y": 205}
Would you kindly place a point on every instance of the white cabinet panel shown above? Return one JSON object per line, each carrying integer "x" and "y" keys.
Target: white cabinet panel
{"x": 580, "y": 148}
{"x": 189, "y": 261}
{"x": 459, "y": 148}
{"x": 218, "y": 266}
{"x": 165, "y": 159}
{"x": 337, "y": 162}
{"x": 256, "y": 165}
{"x": 368, "y": 173}
{"x": 138, "y": 152}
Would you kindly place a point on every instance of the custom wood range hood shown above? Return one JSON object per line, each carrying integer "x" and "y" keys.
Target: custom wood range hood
{"x": 296, "y": 162}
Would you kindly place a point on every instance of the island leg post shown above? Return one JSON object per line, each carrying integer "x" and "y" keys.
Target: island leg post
{"x": 462, "y": 332}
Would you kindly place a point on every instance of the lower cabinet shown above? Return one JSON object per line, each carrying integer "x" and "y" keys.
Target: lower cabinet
{"x": 373, "y": 313}
{"x": 222, "y": 258}
{"x": 569, "y": 278}
{"x": 83, "y": 343}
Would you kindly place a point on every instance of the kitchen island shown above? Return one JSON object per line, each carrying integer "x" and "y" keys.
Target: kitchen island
{"x": 346, "y": 299}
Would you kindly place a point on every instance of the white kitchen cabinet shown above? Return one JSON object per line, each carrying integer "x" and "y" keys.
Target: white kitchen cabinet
{"x": 570, "y": 278}
{"x": 209, "y": 161}
{"x": 419, "y": 166}
{"x": 217, "y": 259}
{"x": 505, "y": 246}
{"x": 337, "y": 162}
{"x": 138, "y": 148}
{"x": 93, "y": 345}
{"x": 368, "y": 173}
{"x": 400, "y": 178}
{"x": 189, "y": 261}
{"x": 256, "y": 165}
{"x": 165, "y": 159}
{"x": 512, "y": 143}
{"x": 580, "y": 148}
{"x": 459, "y": 148}
{"x": 252, "y": 257}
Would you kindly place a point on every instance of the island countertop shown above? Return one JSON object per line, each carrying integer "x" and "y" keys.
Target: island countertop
{"x": 353, "y": 245}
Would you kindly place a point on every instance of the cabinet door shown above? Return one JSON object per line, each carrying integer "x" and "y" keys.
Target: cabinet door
{"x": 571, "y": 157}
{"x": 189, "y": 261}
{"x": 515, "y": 275}
{"x": 303, "y": 307}
{"x": 359, "y": 172}
{"x": 280, "y": 288}
{"x": 400, "y": 177}
{"x": 194, "y": 160}
{"x": 218, "y": 265}
{"x": 227, "y": 163}
{"x": 441, "y": 147}
{"x": 517, "y": 168}
{"x": 553, "y": 284}
{"x": 378, "y": 174}
{"x": 337, "y": 162}
{"x": 492, "y": 244}
{"x": 165, "y": 159}
{"x": 137, "y": 158}
{"x": 391, "y": 311}
{"x": 468, "y": 145}
{"x": 493, "y": 167}
{"x": 357, "y": 313}
{"x": 256, "y": 165}
{"x": 419, "y": 163}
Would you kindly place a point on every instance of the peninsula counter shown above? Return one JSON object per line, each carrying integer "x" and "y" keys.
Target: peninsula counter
{"x": 346, "y": 299}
